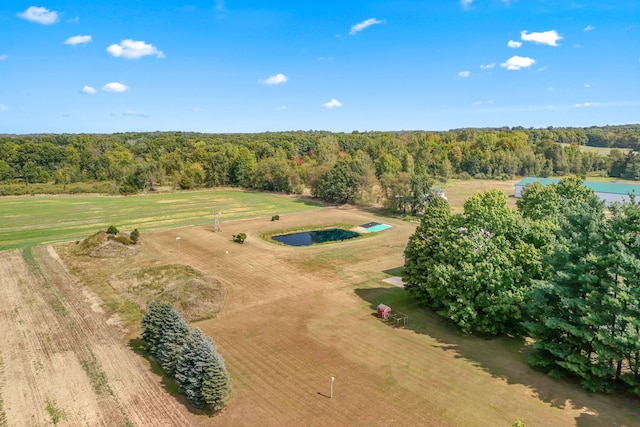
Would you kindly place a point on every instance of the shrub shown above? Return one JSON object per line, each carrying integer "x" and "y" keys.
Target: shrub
{"x": 135, "y": 236}
{"x": 122, "y": 239}
{"x": 112, "y": 230}
{"x": 239, "y": 238}
{"x": 275, "y": 218}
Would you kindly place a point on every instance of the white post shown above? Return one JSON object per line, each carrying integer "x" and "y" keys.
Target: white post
{"x": 331, "y": 389}
{"x": 178, "y": 244}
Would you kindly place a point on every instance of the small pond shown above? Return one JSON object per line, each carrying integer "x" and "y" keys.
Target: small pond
{"x": 308, "y": 238}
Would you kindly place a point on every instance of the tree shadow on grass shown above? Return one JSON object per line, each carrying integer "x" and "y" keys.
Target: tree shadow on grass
{"x": 506, "y": 358}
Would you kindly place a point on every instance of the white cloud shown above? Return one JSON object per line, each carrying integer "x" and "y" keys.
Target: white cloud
{"x": 3, "y": 57}
{"x": 488, "y": 66}
{"x": 115, "y": 87}
{"x": 587, "y": 85}
{"x": 464, "y": 74}
{"x": 40, "y": 15}
{"x": 517, "y": 62}
{"x": 3, "y": 108}
{"x": 88, "y": 90}
{"x": 134, "y": 49}
{"x": 514, "y": 44}
{"x": 589, "y": 28}
{"x": 585, "y": 104}
{"x": 466, "y": 3}
{"x": 275, "y": 79}
{"x": 547, "y": 37}
{"x": 364, "y": 24}
{"x": 75, "y": 40}
{"x": 134, "y": 114}
{"x": 334, "y": 103}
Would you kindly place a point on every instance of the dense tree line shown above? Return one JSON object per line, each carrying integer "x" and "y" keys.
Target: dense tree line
{"x": 371, "y": 167}
{"x": 561, "y": 269}
{"x": 187, "y": 355}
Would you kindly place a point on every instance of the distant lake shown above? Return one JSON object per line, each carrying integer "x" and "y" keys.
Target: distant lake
{"x": 308, "y": 238}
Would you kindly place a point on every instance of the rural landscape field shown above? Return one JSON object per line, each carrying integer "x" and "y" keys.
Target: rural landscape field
{"x": 286, "y": 320}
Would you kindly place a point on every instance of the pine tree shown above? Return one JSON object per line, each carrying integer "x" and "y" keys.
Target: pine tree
{"x": 152, "y": 326}
{"x": 215, "y": 384}
{"x": 200, "y": 372}
{"x": 174, "y": 333}
{"x": 562, "y": 307}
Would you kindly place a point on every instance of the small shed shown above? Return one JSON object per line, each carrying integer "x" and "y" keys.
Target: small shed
{"x": 384, "y": 311}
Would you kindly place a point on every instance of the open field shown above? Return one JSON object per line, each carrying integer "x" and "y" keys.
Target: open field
{"x": 602, "y": 151}
{"x": 459, "y": 190}
{"x": 63, "y": 357}
{"x": 291, "y": 318}
{"x": 33, "y": 220}
{"x": 294, "y": 317}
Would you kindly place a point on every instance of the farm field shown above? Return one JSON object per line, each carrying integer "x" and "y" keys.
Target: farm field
{"x": 291, "y": 318}
{"x": 31, "y": 220}
{"x": 63, "y": 360}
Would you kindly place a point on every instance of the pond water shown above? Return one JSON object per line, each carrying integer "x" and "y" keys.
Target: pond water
{"x": 308, "y": 238}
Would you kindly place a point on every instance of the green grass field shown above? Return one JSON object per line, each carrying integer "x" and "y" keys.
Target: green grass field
{"x": 27, "y": 221}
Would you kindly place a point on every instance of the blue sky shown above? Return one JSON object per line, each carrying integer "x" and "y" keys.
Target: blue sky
{"x": 252, "y": 66}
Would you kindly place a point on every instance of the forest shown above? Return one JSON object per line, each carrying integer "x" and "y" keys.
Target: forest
{"x": 393, "y": 169}
{"x": 561, "y": 269}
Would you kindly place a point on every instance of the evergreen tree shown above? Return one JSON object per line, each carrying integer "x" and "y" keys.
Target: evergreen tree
{"x": 173, "y": 335}
{"x": 152, "y": 326}
{"x": 423, "y": 250}
{"x": 562, "y": 326}
{"x": 200, "y": 372}
{"x": 215, "y": 384}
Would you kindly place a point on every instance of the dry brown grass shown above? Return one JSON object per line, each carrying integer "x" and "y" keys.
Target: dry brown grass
{"x": 294, "y": 317}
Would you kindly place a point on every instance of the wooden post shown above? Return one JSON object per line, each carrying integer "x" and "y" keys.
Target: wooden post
{"x": 331, "y": 388}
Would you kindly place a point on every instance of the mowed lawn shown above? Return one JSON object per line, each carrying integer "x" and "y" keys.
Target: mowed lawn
{"x": 27, "y": 221}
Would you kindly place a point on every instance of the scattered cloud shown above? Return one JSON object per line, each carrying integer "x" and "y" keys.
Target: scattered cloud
{"x": 134, "y": 114}
{"x": 464, "y": 74}
{"x": 76, "y": 40}
{"x": 589, "y": 28}
{"x": 3, "y": 108}
{"x": 334, "y": 103}
{"x": 3, "y": 57}
{"x": 40, "y": 15}
{"x": 325, "y": 58}
{"x": 274, "y": 80}
{"x": 488, "y": 66}
{"x": 74, "y": 20}
{"x": 478, "y": 103}
{"x": 195, "y": 109}
{"x": 585, "y": 104}
{"x": 547, "y": 37}
{"x": 364, "y": 24}
{"x": 518, "y": 62}
{"x": 89, "y": 90}
{"x": 514, "y": 44}
{"x": 134, "y": 49}
{"x": 282, "y": 108}
{"x": 115, "y": 87}
{"x": 466, "y": 3}
{"x": 219, "y": 5}
{"x": 587, "y": 85}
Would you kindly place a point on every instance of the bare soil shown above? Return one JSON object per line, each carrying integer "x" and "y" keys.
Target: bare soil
{"x": 64, "y": 361}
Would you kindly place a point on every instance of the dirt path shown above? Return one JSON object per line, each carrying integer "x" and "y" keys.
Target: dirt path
{"x": 62, "y": 362}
